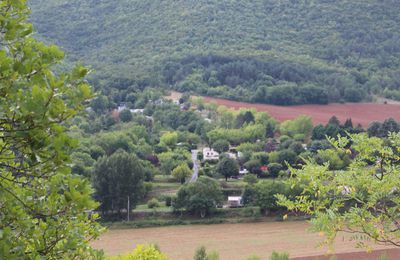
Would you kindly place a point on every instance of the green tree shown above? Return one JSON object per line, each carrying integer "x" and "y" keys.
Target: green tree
{"x": 100, "y": 103}
{"x": 348, "y": 124}
{"x": 337, "y": 160}
{"x": 221, "y": 146}
{"x": 228, "y": 167}
{"x": 181, "y": 173}
{"x": 389, "y": 125}
{"x": 250, "y": 179}
{"x": 264, "y": 194}
{"x": 246, "y": 117}
{"x": 45, "y": 210}
{"x": 334, "y": 121}
{"x": 254, "y": 166}
{"x": 318, "y": 132}
{"x": 287, "y": 156}
{"x": 362, "y": 200}
{"x": 201, "y": 254}
{"x": 125, "y": 115}
{"x": 116, "y": 178}
{"x": 375, "y": 129}
{"x": 301, "y": 125}
{"x": 170, "y": 160}
{"x": 274, "y": 169}
{"x": 199, "y": 197}
{"x": 169, "y": 139}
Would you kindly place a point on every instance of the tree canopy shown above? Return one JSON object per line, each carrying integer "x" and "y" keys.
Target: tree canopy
{"x": 286, "y": 52}
{"x": 45, "y": 210}
{"x": 199, "y": 197}
{"x": 362, "y": 200}
{"x": 116, "y": 178}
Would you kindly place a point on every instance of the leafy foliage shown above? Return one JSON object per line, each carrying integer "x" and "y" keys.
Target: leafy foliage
{"x": 181, "y": 172}
{"x": 116, "y": 178}
{"x": 362, "y": 200}
{"x": 148, "y": 252}
{"x": 228, "y": 167}
{"x": 45, "y": 210}
{"x": 201, "y": 254}
{"x": 285, "y": 52}
{"x": 199, "y": 197}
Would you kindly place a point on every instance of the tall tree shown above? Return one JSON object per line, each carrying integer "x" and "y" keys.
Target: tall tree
{"x": 45, "y": 210}
{"x": 181, "y": 173}
{"x": 117, "y": 178}
{"x": 334, "y": 121}
{"x": 199, "y": 197}
{"x": 228, "y": 167}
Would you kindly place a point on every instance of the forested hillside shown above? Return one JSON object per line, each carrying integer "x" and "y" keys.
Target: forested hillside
{"x": 279, "y": 52}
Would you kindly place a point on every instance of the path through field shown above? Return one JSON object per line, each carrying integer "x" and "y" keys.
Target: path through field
{"x": 232, "y": 241}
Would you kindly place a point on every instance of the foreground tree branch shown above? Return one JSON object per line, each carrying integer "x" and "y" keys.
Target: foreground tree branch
{"x": 45, "y": 210}
{"x": 363, "y": 199}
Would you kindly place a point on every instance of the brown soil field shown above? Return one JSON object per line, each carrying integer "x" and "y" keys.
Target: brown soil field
{"x": 234, "y": 241}
{"x": 360, "y": 113}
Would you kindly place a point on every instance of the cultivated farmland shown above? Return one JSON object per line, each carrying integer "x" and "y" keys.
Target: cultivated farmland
{"x": 360, "y": 113}
{"x": 232, "y": 241}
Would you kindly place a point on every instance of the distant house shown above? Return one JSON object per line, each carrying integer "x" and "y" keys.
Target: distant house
{"x": 232, "y": 155}
{"x": 235, "y": 201}
{"x": 121, "y": 107}
{"x": 209, "y": 154}
{"x": 243, "y": 171}
{"x": 137, "y": 111}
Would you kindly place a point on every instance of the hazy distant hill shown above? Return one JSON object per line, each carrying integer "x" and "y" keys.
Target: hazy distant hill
{"x": 272, "y": 51}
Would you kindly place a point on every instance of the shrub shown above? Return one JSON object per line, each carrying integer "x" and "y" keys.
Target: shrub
{"x": 221, "y": 146}
{"x": 149, "y": 252}
{"x": 199, "y": 197}
{"x": 153, "y": 203}
{"x": 279, "y": 256}
{"x": 274, "y": 169}
{"x": 125, "y": 115}
{"x": 250, "y": 179}
{"x": 168, "y": 201}
{"x": 201, "y": 254}
{"x": 254, "y": 257}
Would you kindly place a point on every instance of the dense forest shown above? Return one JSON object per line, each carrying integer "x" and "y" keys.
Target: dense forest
{"x": 280, "y": 52}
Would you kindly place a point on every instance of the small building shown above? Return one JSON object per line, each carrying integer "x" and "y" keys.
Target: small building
{"x": 209, "y": 154}
{"x": 121, "y": 107}
{"x": 137, "y": 111}
{"x": 235, "y": 201}
{"x": 243, "y": 171}
{"x": 232, "y": 155}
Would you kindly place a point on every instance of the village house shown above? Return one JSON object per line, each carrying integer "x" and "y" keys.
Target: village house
{"x": 209, "y": 154}
{"x": 235, "y": 201}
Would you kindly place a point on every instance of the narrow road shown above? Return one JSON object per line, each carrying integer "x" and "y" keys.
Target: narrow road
{"x": 195, "y": 166}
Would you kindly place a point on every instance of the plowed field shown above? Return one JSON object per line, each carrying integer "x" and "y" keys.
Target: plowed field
{"x": 360, "y": 113}
{"x": 232, "y": 241}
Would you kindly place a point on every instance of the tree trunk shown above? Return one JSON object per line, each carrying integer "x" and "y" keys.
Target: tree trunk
{"x": 202, "y": 213}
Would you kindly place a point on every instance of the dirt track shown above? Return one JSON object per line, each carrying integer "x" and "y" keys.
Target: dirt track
{"x": 232, "y": 241}
{"x": 363, "y": 113}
